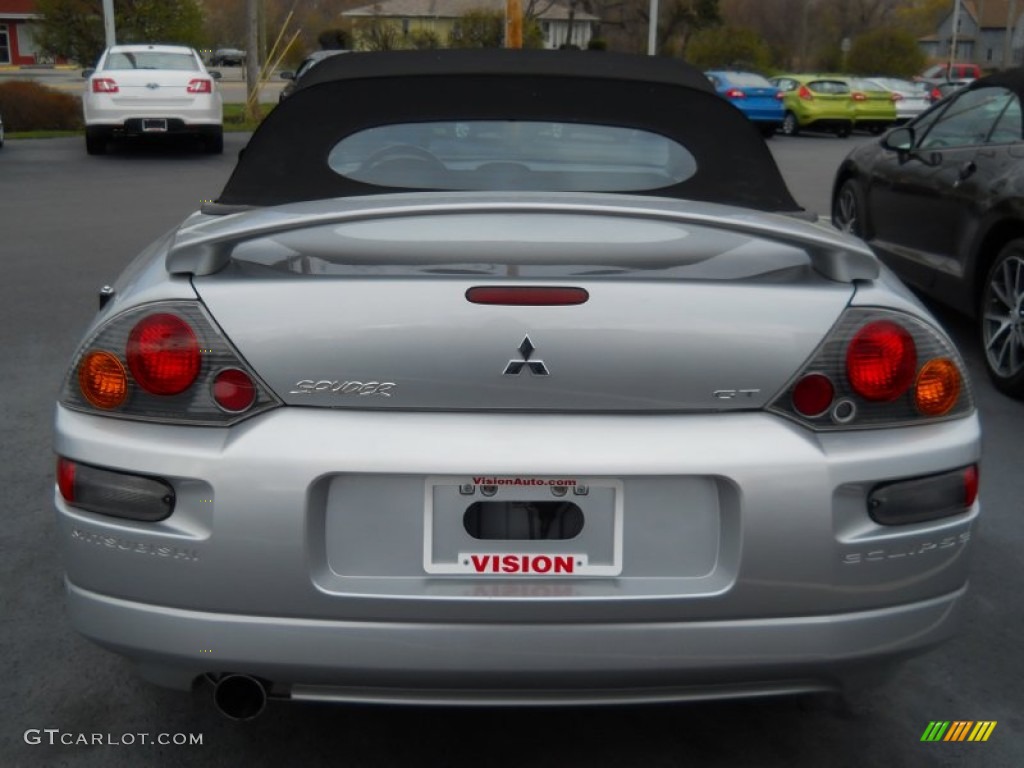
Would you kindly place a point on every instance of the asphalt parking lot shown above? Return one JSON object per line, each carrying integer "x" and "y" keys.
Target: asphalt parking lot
{"x": 70, "y": 222}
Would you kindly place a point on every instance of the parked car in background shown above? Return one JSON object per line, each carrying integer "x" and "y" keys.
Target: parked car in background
{"x": 307, "y": 64}
{"x": 753, "y": 95}
{"x": 910, "y": 98}
{"x": 941, "y": 200}
{"x": 227, "y": 57}
{"x": 874, "y": 108}
{"x": 816, "y": 103}
{"x": 1, "y": 131}
{"x": 938, "y": 73}
{"x": 149, "y": 91}
{"x": 939, "y": 91}
{"x": 511, "y": 417}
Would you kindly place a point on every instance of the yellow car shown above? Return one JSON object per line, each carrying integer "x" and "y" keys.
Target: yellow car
{"x": 816, "y": 103}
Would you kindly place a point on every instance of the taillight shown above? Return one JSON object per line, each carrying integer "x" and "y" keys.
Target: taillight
{"x": 164, "y": 362}
{"x": 858, "y": 96}
{"x": 936, "y": 94}
{"x": 805, "y": 93}
{"x": 937, "y": 387}
{"x": 103, "y": 380}
{"x": 780, "y": 95}
{"x": 920, "y": 499}
{"x": 735, "y": 93}
{"x": 109, "y": 492}
{"x": 200, "y": 85}
{"x": 877, "y": 368}
{"x": 881, "y": 361}
{"x": 104, "y": 85}
{"x": 896, "y": 96}
{"x": 234, "y": 390}
{"x": 813, "y": 394}
{"x": 163, "y": 354}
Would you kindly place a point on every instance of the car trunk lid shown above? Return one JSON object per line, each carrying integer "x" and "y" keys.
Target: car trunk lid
{"x": 374, "y": 312}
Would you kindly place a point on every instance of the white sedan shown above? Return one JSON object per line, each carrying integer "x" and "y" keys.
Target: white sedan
{"x": 151, "y": 90}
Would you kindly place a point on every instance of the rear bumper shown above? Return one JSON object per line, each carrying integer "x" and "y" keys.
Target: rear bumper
{"x": 570, "y": 663}
{"x": 296, "y": 553}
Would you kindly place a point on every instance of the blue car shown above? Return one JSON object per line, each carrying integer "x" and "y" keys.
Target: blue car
{"x": 753, "y": 95}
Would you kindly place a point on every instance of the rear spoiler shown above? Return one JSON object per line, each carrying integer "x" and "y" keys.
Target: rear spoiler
{"x": 205, "y": 248}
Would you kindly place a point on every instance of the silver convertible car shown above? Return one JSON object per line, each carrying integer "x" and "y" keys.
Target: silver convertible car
{"x": 523, "y": 381}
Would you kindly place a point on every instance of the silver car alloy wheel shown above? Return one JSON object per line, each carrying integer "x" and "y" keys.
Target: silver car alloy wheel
{"x": 1002, "y": 323}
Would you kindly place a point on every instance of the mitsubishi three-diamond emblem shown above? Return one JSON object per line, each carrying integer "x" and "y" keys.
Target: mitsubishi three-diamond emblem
{"x": 526, "y": 350}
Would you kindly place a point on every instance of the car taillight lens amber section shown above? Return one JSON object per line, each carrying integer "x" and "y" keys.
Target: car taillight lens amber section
{"x": 103, "y": 380}
{"x": 163, "y": 354}
{"x": 200, "y": 85}
{"x": 104, "y": 85}
{"x": 885, "y": 367}
{"x": 881, "y": 361}
{"x": 164, "y": 362}
{"x": 937, "y": 387}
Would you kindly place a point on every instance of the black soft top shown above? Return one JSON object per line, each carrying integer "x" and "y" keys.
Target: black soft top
{"x": 286, "y": 159}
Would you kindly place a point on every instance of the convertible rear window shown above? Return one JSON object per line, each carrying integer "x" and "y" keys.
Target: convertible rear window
{"x": 512, "y": 154}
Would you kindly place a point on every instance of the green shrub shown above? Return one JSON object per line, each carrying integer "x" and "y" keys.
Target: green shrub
{"x": 29, "y": 106}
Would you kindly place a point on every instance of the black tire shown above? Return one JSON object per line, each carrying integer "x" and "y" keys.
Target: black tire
{"x": 790, "y": 126}
{"x": 96, "y": 141}
{"x": 1001, "y": 320}
{"x": 213, "y": 143}
{"x": 848, "y": 209}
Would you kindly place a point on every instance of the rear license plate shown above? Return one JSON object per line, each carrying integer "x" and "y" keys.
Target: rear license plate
{"x": 522, "y": 526}
{"x": 154, "y": 125}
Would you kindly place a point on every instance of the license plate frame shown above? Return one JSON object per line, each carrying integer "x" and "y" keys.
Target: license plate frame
{"x": 596, "y": 554}
{"x": 154, "y": 125}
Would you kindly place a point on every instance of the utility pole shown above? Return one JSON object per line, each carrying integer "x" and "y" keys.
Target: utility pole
{"x": 513, "y": 24}
{"x": 108, "y": 23}
{"x": 652, "y": 29}
{"x": 252, "y": 65}
{"x": 1011, "y": 22}
{"x": 953, "y": 42}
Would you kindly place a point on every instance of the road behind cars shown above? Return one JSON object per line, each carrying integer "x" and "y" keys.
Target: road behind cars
{"x": 62, "y": 243}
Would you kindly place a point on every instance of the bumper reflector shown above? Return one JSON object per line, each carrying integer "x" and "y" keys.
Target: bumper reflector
{"x": 924, "y": 498}
{"x": 105, "y": 492}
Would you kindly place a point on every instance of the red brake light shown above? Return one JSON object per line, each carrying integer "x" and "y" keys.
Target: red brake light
{"x": 858, "y": 96}
{"x": 735, "y": 93}
{"x": 66, "y": 478}
{"x": 200, "y": 85}
{"x": 813, "y": 394}
{"x": 527, "y": 296}
{"x": 970, "y": 485}
{"x": 104, "y": 85}
{"x": 805, "y": 93}
{"x": 881, "y": 361}
{"x": 163, "y": 354}
{"x": 780, "y": 95}
{"x": 233, "y": 390}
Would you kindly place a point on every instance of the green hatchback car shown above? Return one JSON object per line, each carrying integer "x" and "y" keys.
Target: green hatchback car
{"x": 816, "y": 103}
